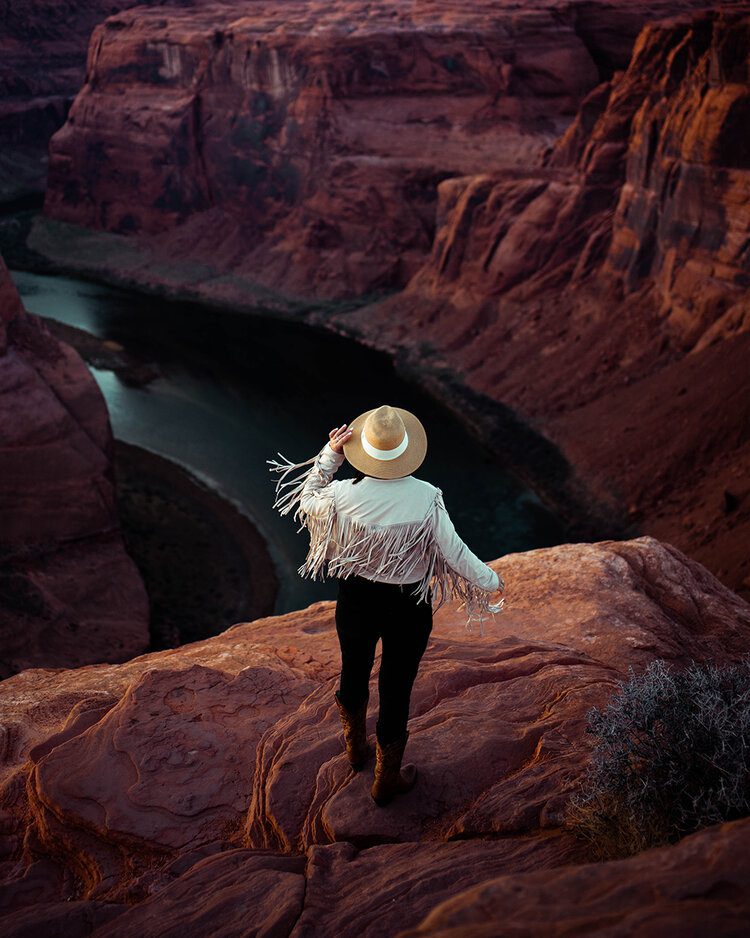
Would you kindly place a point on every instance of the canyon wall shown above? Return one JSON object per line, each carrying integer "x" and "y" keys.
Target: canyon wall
{"x": 563, "y": 204}
{"x": 69, "y": 593}
{"x": 200, "y": 788}
{"x": 43, "y": 49}
{"x": 299, "y": 146}
{"x": 603, "y": 295}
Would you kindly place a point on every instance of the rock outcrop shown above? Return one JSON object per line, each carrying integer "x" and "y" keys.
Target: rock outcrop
{"x": 298, "y": 146}
{"x": 69, "y": 593}
{"x": 43, "y": 47}
{"x": 603, "y": 295}
{"x": 696, "y": 887}
{"x": 207, "y": 783}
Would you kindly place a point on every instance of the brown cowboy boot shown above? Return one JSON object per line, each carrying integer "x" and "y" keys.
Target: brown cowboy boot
{"x": 355, "y": 734}
{"x": 390, "y": 780}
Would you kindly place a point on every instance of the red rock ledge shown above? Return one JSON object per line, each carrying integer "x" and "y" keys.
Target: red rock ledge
{"x": 204, "y": 788}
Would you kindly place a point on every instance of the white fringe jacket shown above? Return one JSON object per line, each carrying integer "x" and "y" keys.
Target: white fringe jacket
{"x": 392, "y": 530}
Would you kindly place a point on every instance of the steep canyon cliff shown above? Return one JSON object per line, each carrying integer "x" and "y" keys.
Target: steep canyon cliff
{"x": 556, "y": 206}
{"x": 604, "y": 295}
{"x": 299, "y": 146}
{"x": 69, "y": 593}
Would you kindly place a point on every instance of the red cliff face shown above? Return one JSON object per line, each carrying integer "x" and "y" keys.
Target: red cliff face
{"x": 681, "y": 220}
{"x": 604, "y": 294}
{"x": 299, "y": 145}
{"x": 205, "y": 786}
{"x": 43, "y": 49}
{"x": 69, "y": 593}
{"x": 572, "y": 250}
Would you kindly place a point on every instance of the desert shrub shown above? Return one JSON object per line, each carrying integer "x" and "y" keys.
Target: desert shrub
{"x": 672, "y": 755}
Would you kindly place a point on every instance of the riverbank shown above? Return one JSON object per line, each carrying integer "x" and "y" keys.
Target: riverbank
{"x": 203, "y": 563}
{"x": 47, "y": 246}
{"x": 105, "y": 354}
{"x": 201, "y": 560}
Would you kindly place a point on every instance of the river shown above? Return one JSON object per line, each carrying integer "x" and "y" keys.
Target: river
{"x": 236, "y": 389}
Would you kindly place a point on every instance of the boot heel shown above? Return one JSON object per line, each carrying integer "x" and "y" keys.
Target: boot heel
{"x": 390, "y": 779}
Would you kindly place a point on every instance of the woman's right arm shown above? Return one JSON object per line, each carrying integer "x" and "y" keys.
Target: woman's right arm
{"x": 458, "y": 555}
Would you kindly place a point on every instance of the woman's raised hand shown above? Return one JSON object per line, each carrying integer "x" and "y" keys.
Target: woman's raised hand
{"x": 338, "y": 436}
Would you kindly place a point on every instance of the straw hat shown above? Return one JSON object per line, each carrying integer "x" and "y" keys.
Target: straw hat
{"x": 386, "y": 442}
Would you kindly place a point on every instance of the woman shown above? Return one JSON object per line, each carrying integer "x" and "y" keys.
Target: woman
{"x": 388, "y": 538}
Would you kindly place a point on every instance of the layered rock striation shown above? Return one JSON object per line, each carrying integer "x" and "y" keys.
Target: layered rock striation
{"x": 299, "y": 146}
{"x": 205, "y": 787}
{"x": 69, "y": 593}
{"x": 603, "y": 295}
{"x": 43, "y": 47}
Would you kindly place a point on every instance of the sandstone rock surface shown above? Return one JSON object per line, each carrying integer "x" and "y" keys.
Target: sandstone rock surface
{"x": 697, "y": 887}
{"x": 603, "y": 295}
{"x": 69, "y": 593}
{"x": 299, "y": 146}
{"x": 207, "y": 783}
{"x": 43, "y": 47}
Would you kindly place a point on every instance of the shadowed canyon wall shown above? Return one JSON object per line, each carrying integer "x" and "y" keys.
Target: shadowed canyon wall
{"x": 43, "y": 48}
{"x": 69, "y": 593}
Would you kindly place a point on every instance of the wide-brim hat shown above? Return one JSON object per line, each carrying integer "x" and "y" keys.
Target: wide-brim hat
{"x": 386, "y": 442}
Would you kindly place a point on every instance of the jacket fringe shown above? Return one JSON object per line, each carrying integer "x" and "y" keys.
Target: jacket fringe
{"x": 341, "y": 546}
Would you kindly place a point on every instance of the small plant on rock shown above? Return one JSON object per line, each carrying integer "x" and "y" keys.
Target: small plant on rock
{"x": 672, "y": 755}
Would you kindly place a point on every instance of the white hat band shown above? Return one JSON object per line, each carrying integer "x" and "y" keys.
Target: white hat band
{"x": 384, "y": 453}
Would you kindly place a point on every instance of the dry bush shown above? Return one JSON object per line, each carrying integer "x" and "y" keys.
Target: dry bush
{"x": 672, "y": 755}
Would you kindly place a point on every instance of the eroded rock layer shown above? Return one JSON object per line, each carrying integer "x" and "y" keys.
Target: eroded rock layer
{"x": 43, "y": 48}
{"x": 299, "y": 145}
{"x": 69, "y": 593}
{"x": 604, "y": 295}
{"x": 205, "y": 786}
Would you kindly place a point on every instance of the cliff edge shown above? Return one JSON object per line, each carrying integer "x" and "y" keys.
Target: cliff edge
{"x": 208, "y": 783}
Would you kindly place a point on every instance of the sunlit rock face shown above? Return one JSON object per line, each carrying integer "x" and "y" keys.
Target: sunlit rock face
{"x": 208, "y": 783}
{"x": 647, "y": 186}
{"x": 603, "y": 293}
{"x": 69, "y": 593}
{"x": 301, "y": 144}
{"x": 681, "y": 218}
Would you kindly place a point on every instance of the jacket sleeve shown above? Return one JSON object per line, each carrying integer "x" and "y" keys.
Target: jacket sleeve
{"x": 317, "y": 492}
{"x": 457, "y": 554}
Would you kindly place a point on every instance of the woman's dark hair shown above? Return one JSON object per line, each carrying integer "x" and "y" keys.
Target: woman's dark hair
{"x": 360, "y": 476}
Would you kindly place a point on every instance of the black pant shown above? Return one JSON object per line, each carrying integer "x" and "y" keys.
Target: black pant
{"x": 367, "y": 610}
